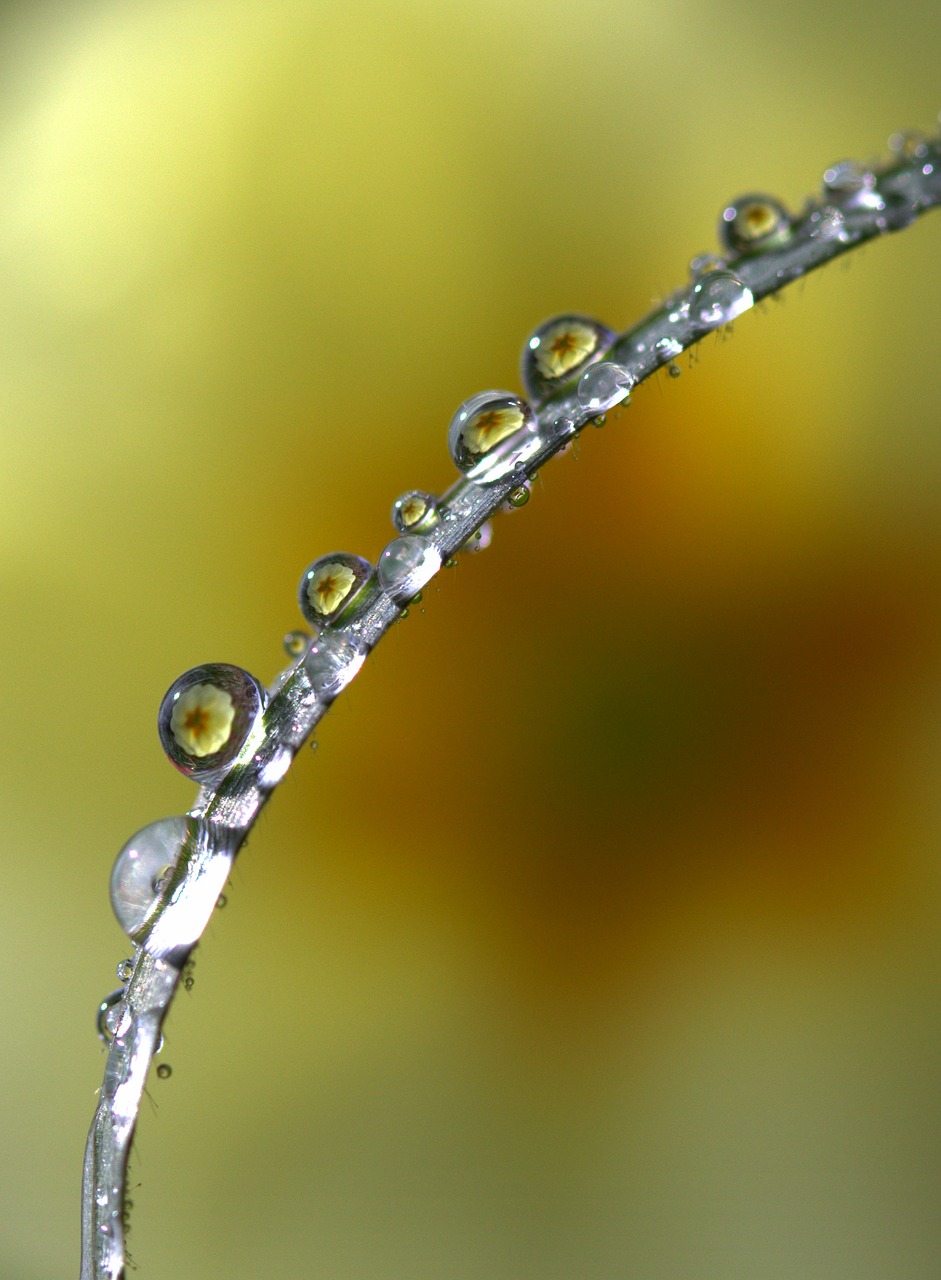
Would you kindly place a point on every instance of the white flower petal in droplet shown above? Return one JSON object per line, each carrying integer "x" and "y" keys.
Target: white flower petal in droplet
{"x": 487, "y": 428}
{"x": 564, "y": 348}
{"x": 202, "y": 719}
{"x": 329, "y": 587}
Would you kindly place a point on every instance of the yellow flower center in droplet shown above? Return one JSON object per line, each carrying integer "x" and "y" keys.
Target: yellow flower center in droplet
{"x": 487, "y": 428}
{"x": 412, "y": 511}
{"x": 330, "y": 586}
{"x": 758, "y": 220}
{"x": 564, "y": 347}
{"x": 202, "y": 719}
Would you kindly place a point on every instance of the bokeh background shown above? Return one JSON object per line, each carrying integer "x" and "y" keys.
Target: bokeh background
{"x": 600, "y": 939}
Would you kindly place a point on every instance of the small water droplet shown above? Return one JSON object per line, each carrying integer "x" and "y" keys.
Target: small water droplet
{"x": 599, "y": 420}
{"x": 415, "y": 512}
{"x": 853, "y": 185}
{"x": 480, "y": 539}
{"x": 125, "y": 969}
{"x": 206, "y": 717}
{"x": 519, "y": 496}
{"x": 295, "y": 642}
{"x": 754, "y": 222}
{"x": 189, "y": 982}
{"x": 703, "y": 263}
{"x": 604, "y": 385}
{"x": 164, "y": 1071}
{"x": 492, "y": 433}
{"x": 559, "y": 350}
{"x": 143, "y": 861}
{"x": 827, "y": 223}
{"x": 450, "y": 563}
{"x": 406, "y": 564}
{"x": 334, "y": 588}
{"x": 674, "y": 370}
{"x": 331, "y": 662}
{"x": 221, "y": 902}
{"x": 417, "y": 598}
{"x": 109, "y": 1015}
{"x": 313, "y": 744}
{"x": 717, "y": 299}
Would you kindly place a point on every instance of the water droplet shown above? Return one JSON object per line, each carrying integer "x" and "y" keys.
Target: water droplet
{"x": 450, "y": 563}
{"x": 480, "y": 539}
{"x": 559, "y": 350}
{"x": 334, "y": 588}
{"x": 599, "y": 421}
{"x": 853, "y": 184}
{"x": 406, "y": 564}
{"x": 125, "y": 969}
{"x": 189, "y": 982}
{"x": 604, "y": 385}
{"x": 143, "y": 861}
{"x": 492, "y": 433}
{"x": 717, "y": 299}
{"x": 313, "y": 744}
{"x": 703, "y": 263}
{"x": 827, "y": 223}
{"x": 415, "y": 512}
{"x": 519, "y": 496}
{"x": 331, "y": 663}
{"x": 674, "y": 370}
{"x": 109, "y": 1016}
{"x": 206, "y": 717}
{"x": 164, "y": 1071}
{"x": 221, "y": 902}
{"x": 295, "y": 642}
{"x": 754, "y": 222}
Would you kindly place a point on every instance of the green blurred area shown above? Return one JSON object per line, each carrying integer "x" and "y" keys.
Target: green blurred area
{"x": 600, "y": 939}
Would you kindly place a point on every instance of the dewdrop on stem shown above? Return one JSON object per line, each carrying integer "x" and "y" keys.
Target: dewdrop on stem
{"x": 492, "y": 434}
{"x": 207, "y": 716}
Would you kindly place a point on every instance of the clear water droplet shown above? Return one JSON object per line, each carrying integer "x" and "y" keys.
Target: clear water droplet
{"x": 853, "y": 185}
{"x": 109, "y": 1016}
{"x": 125, "y": 969}
{"x": 480, "y": 539}
{"x": 334, "y": 588}
{"x": 604, "y": 385}
{"x": 674, "y": 370}
{"x": 717, "y": 299}
{"x": 492, "y": 433}
{"x": 519, "y": 496}
{"x": 450, "y": 563}
{"x": 295, "y": 642}
{"x": 703, "y": 263}
{"x": 207, "y": 716}
{"x": 221, "y": 902}
{"x": 143, "y": 860}
{"x": 331, "y": 662}
{"x": 415, "y": 512}
{"x": 559, "y": 350}
{"x": 827, "y": 223}
{"x": 754, "y": 222}
{"x": 406, "y": 564}
{"x": 164, "y": 1071}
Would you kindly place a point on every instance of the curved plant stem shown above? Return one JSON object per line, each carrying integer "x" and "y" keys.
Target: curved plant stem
{"x": 858, "y": 205}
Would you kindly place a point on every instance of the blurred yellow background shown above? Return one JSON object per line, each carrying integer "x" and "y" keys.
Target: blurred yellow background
{"x": 601, "y": 937}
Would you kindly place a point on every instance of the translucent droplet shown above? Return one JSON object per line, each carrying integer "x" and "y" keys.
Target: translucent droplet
{"x": 853, "y": 185}
{"x": 703, "y": 263}
{"x": 331, "y": 662}
{"x": 754, "y": 222}
{"x": 717, "y": 299}
{"x": 674, "y": 370}
{"x": 559, "y": 350}
{"x": 604, "y": 385}
{"x": 125, "y": 969}
{"x": 334, "y": 588}
{"x": 143, "y": 862}
{"x": 415, "y": 512}
{"x": 519, "y": 496}
{"x": 164, "y": 1071}
{"x": 221, "y": 902}
{"x": 827, "y": 223}
{"x": 295, "y": 642}
{"x": 450, "y": 563}
{"x": 206, "y": 717}
{"x": 480, "y": 539}
{"x": 406, "y": 565}
{"x": 109, "y": 1016}
{"x": 492, "y": 433}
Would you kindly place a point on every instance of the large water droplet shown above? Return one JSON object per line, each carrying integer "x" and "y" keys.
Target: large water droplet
{"x": 853, "y": 185}
{"x": 415, "y": 512}
{"x": 491, "y": 434}
{"x": 406, "y": 565}
{"x": 331, "y": 662}
{"x": 559, "y": 350}
{"x": 604, "y": 385}
{"x": 717, "y": 299}
{"x": 206, "y": 717}
{"x": 334, "y": 588}
{"x": 142, "y": 876}
{"x": 754, "y": 222}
